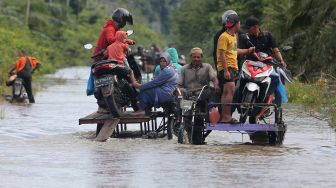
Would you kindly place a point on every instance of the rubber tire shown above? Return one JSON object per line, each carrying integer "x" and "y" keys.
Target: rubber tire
{"x": 170, "y": 124}
{"x": 197, "y": 131}
{"x": 183, "y": 136}
{"x": 112, "y": 105}
{"x": 247, "y": 98}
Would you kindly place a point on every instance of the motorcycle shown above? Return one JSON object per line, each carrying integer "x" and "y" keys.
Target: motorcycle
{"x": 257, "y": 84}
{"x": 193, "y": 107}
{"x": 111, "y": 88}
{"x": 19, "y": 94}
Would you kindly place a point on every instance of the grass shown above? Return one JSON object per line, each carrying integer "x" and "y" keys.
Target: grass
{"x": 314, "y": 97}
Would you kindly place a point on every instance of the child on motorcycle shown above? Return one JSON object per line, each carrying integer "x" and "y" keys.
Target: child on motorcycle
{"x": 117, "y": 51}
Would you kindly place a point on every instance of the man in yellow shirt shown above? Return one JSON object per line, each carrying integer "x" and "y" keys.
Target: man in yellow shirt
{"x": 227, "y": 64}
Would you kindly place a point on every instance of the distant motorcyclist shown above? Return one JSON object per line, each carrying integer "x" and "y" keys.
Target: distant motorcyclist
{"x": 24, "y": 67}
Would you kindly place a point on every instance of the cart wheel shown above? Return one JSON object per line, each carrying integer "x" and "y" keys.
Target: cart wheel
{"x": 277, "y": 137}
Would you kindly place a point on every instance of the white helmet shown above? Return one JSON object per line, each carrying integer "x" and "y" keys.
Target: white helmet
{"x": 226, "y": 14}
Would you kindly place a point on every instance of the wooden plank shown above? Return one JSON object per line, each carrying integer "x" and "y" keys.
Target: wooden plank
{"x": 107, "y": 130}
{"x": 93, "y": 115}
{"x": 101, "y": 118}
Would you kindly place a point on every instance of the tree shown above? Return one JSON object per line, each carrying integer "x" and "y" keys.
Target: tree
{"x": 27, "y": 12}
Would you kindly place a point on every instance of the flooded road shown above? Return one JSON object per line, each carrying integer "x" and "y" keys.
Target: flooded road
{"x": 42, "y": 145}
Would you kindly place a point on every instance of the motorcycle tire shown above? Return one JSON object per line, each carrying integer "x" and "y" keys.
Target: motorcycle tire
{"x": 248, "y": 97}
{"x": 112, "y": 106}
{"x": 197, "y": 131}
{"x": 183, "y": 136}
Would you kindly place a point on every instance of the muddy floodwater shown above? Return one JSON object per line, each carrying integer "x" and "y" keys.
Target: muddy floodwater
{"x": 42, "y": 145}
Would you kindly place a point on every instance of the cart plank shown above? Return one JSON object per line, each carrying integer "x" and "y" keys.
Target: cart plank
{"x": 102, "y": 117}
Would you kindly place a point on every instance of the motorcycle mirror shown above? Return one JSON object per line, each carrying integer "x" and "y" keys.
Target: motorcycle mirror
{"x": 129, "y": 32}
{"x": 286, "y": 48}
{"x": 88, "y": 46}
{"x": 247, "y": 37}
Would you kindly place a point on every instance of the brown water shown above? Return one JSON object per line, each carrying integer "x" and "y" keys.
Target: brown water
{"x": 43, "y": 146}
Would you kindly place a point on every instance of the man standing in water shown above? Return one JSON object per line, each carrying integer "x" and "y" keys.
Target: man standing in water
{"x": 24, "y": 67}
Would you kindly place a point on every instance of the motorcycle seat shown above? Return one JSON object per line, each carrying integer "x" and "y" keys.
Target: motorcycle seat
{"x": 105, "y": 62}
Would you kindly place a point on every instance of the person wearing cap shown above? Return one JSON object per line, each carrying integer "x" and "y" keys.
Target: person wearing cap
{"x": 159, "y": 90}
{"x": 227, "y": 64}
{"x": 197, "y": 73}
{"x": 193, "y": 77}
{"x": 262, "y": 40}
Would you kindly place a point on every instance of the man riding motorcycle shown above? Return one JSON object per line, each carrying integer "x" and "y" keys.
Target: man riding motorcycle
{"x": 263, "y": 41}
{"x": 120, "y": 17}
{"x": 193, "y": 77}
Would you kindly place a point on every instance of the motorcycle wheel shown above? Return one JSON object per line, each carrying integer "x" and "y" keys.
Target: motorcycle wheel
{"x": 248, "y": 97}
{"x": 112, "y": 105}
{"x": 183, "y": 136}
{"x": 197, "y": 131}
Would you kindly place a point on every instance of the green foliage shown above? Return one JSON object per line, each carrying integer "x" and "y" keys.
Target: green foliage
{"x": 300, "y": 93}
{"x": 314, "y": 97}
{"x": 56, "y": 32}
{"x": 307, "y": 25}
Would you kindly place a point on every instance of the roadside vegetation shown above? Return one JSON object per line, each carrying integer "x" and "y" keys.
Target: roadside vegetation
{"x": 306, "y": 25}
{"x": 55, "y": 31}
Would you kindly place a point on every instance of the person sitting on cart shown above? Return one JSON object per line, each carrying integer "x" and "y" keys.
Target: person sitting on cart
{"x": 158, "y": 91}
{"x": 193, "y": 77}
{"x": 197, "y": 74}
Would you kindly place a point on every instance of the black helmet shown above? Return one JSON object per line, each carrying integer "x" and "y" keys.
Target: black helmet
{"x": 251, "y": 21}
{"x": 121, "y": 16}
